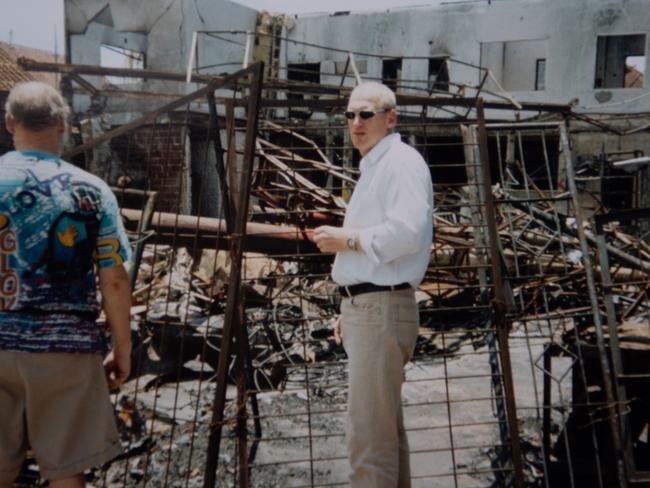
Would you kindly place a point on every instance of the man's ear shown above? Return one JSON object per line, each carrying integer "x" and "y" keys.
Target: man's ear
{"x": 392, "y": 118}
{"x": 10, "y": 124}
{"x": 61, "y": 125}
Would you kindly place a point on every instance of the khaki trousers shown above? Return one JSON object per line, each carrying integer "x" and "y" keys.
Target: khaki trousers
{"x": 379, "y": 333}
{"x": 59, "y": 402}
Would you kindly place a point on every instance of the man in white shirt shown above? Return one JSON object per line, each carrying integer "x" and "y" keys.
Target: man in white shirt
{"x": 382, "y": 253}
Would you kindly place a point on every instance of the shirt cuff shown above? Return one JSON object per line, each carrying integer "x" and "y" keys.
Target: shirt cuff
{"x": 365, "y": 242}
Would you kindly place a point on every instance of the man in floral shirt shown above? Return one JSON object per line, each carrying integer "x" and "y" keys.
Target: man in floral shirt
{"x": 59, "y": 230}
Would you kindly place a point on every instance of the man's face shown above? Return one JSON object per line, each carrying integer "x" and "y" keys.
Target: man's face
{"x": 366, "y": 133}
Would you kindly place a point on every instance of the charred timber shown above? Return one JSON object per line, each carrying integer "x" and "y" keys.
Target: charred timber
{"x": 339, "y": 102}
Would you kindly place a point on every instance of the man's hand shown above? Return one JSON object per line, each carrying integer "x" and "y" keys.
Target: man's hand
{"x": 338, "y": 335}
{"x": 116, "y": 294}
{"x": 331, "y": 239}
{"x": 117, "y": 366}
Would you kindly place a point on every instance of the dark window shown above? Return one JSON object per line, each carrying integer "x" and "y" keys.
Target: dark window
{"x": 445, "y": 157}
{"x": 302, "y": 73}
{"x": 620, "y": 61}
{"x": 391, "y": 73}
{"x": 308, "y": 72}
{"x": 438, "y": 74}
{"x": 540, "y": 74}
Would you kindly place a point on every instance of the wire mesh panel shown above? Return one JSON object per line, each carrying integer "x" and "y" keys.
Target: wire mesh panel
{"x": 184, "y": 254}
{"x": 625, "y": 301}
{"x": 518, "y": 377}
{"x": 462, "y": 388}
{"x": 237, "y": 378}
{"x": 454, "y": 399}
{"x": 565, "y": 402}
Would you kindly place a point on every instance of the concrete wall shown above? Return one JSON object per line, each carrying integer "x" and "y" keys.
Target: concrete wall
{"x": 158, "y": 157}
{"x": 162, "y": 29}
{"x": 570, "y": 30}
{"x": 520, "y": 31}
{"x": 506, "y": 35}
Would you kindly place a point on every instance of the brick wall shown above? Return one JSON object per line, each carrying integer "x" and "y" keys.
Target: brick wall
{"x": 153, "y": 158}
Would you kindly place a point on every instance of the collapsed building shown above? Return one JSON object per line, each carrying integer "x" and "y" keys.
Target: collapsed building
{"x": 221, "y": 129}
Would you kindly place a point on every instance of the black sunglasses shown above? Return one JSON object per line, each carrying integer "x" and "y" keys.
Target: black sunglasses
{"x": 363, "y": 114}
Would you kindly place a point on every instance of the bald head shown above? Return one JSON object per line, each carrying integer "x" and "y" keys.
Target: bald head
{"x": 36, "y": 106}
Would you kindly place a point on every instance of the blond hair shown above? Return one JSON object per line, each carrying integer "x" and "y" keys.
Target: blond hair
{"x": 380, "y": 94}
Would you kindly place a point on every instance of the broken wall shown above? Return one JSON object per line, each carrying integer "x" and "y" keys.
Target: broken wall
{"x": 163, "y": 31}
{"x": 566, "y": 31}
{"x": 620, "y": 188}
{"x": 161, "y": 158}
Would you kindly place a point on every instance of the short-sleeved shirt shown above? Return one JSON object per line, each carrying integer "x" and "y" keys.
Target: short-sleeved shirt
{"x": 57, "y": 222}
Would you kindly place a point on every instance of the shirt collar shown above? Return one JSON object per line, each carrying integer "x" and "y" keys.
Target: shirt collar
{"x": 378, "y": 150}
{"x": 39, "y": 155}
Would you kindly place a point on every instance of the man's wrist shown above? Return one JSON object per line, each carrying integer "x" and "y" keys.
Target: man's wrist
{"x": 123, "y": 346}
{"x": 351, "y": 242}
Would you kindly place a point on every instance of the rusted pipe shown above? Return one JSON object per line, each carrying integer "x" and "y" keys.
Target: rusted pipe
{"x": 264, "y": 238}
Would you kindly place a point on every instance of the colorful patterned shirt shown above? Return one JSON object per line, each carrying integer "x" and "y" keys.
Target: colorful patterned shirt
{"x": 56, "y": 223}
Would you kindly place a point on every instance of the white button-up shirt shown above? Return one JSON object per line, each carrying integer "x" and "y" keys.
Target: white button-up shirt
{"x": 391, "y": 212}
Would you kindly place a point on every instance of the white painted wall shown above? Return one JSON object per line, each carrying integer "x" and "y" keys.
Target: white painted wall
{"x": 570, "y": 28}
{"x": 162, "y": 29}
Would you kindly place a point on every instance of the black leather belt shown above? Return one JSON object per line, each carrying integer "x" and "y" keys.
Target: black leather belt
{"x": 353, "y": 290}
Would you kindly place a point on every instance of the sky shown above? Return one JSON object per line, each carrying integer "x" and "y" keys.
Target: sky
{"x": 37, "y": 23}
{"x": 33, "y": 23}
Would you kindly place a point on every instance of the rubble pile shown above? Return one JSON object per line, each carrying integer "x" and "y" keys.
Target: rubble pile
{"x": 289, "y": 307}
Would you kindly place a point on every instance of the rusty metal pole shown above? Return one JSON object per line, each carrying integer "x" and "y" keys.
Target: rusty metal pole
{"x": 241, "y": 380}
{"x": 608, "y": 388}
{"x": 215, "y": 135}
{"x": 234, "y": 289}
{"x": 143, "y": 226}
{"x": 231, "y": 141}
{"x": 614, "y": 346}
{"x": 499, "y": 301}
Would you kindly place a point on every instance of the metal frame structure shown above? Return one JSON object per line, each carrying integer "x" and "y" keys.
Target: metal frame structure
{"x": 623, "y": 374}
{"x": 507, "y": 305}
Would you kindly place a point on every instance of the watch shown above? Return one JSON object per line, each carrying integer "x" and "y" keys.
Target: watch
{"x": 352, "y": 243}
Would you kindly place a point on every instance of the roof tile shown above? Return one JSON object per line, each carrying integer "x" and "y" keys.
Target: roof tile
{"x": 10, "y": 72}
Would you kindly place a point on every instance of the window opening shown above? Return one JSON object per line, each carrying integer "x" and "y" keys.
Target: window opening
{"x": 391, "y": 73}
{"x": 303, "y": 73}
{"x": 620, "y": 61}
{"x": 438, "y": 75}
{"x": 119, "y": 57}
{"x": 540, "y": 75}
